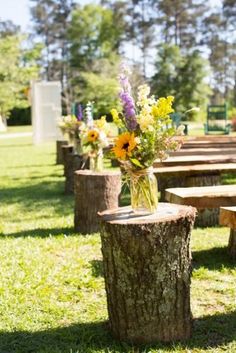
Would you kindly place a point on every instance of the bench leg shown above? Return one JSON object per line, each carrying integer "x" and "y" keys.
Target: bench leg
{"x": 232, "y": 244}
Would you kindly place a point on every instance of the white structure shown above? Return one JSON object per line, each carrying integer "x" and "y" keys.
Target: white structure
{"x": 46, "y": 110}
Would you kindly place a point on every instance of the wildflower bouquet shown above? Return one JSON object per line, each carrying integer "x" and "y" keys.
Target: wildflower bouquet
{"x": 147, "y": 134}
{"x": 69, "y": 126}
{"x": 72, "y": 125}
{"x": 93, "y": 140}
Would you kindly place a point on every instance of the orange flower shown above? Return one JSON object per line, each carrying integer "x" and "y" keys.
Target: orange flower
{"x": 92, "y": 135}
{"x": 124, "y": 145}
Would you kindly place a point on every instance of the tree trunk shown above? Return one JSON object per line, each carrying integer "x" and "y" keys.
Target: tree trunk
{"x": 59, "y": 157}
{"x": 147, "y": 268}
{"x": 94, "y": 191}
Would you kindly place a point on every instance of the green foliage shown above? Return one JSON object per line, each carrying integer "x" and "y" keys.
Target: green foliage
{"x": 18, "y": 67}
{"x": 101, "y": 87}
{"x": 51, "y": 280}
{"x": 182, "y": 76}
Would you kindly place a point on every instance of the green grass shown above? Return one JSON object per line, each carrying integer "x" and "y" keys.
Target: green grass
{"x": 51, "y": 283}
{"x": 13, "y": 129}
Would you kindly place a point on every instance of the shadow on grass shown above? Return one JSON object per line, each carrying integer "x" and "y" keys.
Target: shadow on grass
{"x": 41, "y": 232}
{"x": 210, "y": 331}
{"x": 213, "y": 259}
{"x": 37, "y": 196}
{"x": 97, "y": 268}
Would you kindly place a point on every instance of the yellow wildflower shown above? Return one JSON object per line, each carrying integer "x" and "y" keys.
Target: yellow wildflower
{"x": 92, "y": 135}
{"x": 124, "y": 145}
{"x": 116, "y": 118}
{"x": 163, "y": 107}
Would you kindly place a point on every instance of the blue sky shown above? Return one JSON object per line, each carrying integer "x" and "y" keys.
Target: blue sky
{"x": 18, "y": 11}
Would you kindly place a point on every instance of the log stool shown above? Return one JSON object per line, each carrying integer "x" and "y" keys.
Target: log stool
{"x": 228, "y": 218}
{"x": 59, "y": 152}
{"x": 94, "y": 191}
{"x": 72, "y": 162}
{"x": 147, "y": 268}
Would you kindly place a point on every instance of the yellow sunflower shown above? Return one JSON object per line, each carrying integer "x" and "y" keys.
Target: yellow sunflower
{"x": 92, "y": 135}
{"x": 124, "y": 145}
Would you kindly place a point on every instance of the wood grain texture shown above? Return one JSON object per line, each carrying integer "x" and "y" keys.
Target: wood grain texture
{"x": 94, "y": 192}
{"x": 195, "y": 159}
{"x": 147, "y": 268}
{"x": 203, "y": 197}
{"x": 228, "y": 216}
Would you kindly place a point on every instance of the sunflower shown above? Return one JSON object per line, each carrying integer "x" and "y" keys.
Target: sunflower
{"x": 124, "y": 145}
{"x": 92, "y": 135}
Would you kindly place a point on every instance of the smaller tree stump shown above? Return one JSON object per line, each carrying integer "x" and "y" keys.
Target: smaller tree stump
{"x": 228, "y": 218}
{"x": 59, "y": 152}
{"x": 147, "y": 268}
{"x": 94, "y": 191}
{"x": 73, "y": 162}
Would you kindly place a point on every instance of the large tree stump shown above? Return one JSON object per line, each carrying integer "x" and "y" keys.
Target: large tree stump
{"x": 147, "y": 268}
{"x": 94, "y": 191}
{"x": 72, "y": 162}
{"x": 59, "y": 152}
{"x": 228, "y": 218}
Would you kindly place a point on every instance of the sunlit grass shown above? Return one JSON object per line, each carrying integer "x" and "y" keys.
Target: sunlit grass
{"x": 51, "y": 282}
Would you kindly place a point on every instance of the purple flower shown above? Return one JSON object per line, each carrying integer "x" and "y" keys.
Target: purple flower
{"x": 80, "y": 113}
{"x": 127, "y": 100}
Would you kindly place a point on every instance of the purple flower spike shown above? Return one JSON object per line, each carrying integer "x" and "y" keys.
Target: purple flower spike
{"x": 80, "y": 113}
{"x": 127, "y": 100}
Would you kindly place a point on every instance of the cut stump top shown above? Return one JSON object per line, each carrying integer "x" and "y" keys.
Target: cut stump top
{"x": 165, "y": 213}
{"x": 228, "y": 216}
{"x": 88, "y": 172}
{"x": 203, "y": 196}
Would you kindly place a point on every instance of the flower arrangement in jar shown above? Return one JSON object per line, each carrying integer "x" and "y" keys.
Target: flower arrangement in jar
{"x": 94, "y": 138}
{"x": 147, "y": 134}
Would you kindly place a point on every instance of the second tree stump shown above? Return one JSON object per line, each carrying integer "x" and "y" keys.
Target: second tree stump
{"x": 94, "y": 191}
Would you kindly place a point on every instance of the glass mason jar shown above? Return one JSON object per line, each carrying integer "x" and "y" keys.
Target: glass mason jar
{"x": 96, "y": 161}
{"x": 143, "y": 191}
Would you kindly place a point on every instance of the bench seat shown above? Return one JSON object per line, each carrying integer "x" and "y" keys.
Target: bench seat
{"x": 207, "y": 200}
{"x": 228, "y": 218}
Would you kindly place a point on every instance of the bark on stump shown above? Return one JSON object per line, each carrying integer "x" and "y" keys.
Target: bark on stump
{"x": 94, "y": 192}
{"x": 72, "y": 162}
{"x": 59, "y": 152}
{"x": 147, "y": 269}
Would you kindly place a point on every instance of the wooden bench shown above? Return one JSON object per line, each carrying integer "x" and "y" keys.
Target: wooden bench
{"x": 207, "y": 200}
{"x": 194, "y": 175}
{"x": 217, "y": 120}
{"x": 228, "y": 218}
{"x": 193, "y": 159}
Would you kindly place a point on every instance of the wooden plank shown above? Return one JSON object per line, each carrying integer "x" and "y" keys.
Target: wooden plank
{"x": 228, "y": 216}
{"x": 204, "y": 151}
{"x": 203, "y": 197}
{"x": 198, "y": 169}
{"x": 191, "y": 160}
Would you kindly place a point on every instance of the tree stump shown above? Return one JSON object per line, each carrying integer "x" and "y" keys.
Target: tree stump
{"x": 228, "y": 218}
{"x": 94, "y": 191}
{"x": 59, "y": 152}
{"x": 147, "y": 269}
{"x": 74, "y": 162}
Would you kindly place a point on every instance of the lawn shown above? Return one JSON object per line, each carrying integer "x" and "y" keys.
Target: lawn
{"x": 51, "y": 282}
